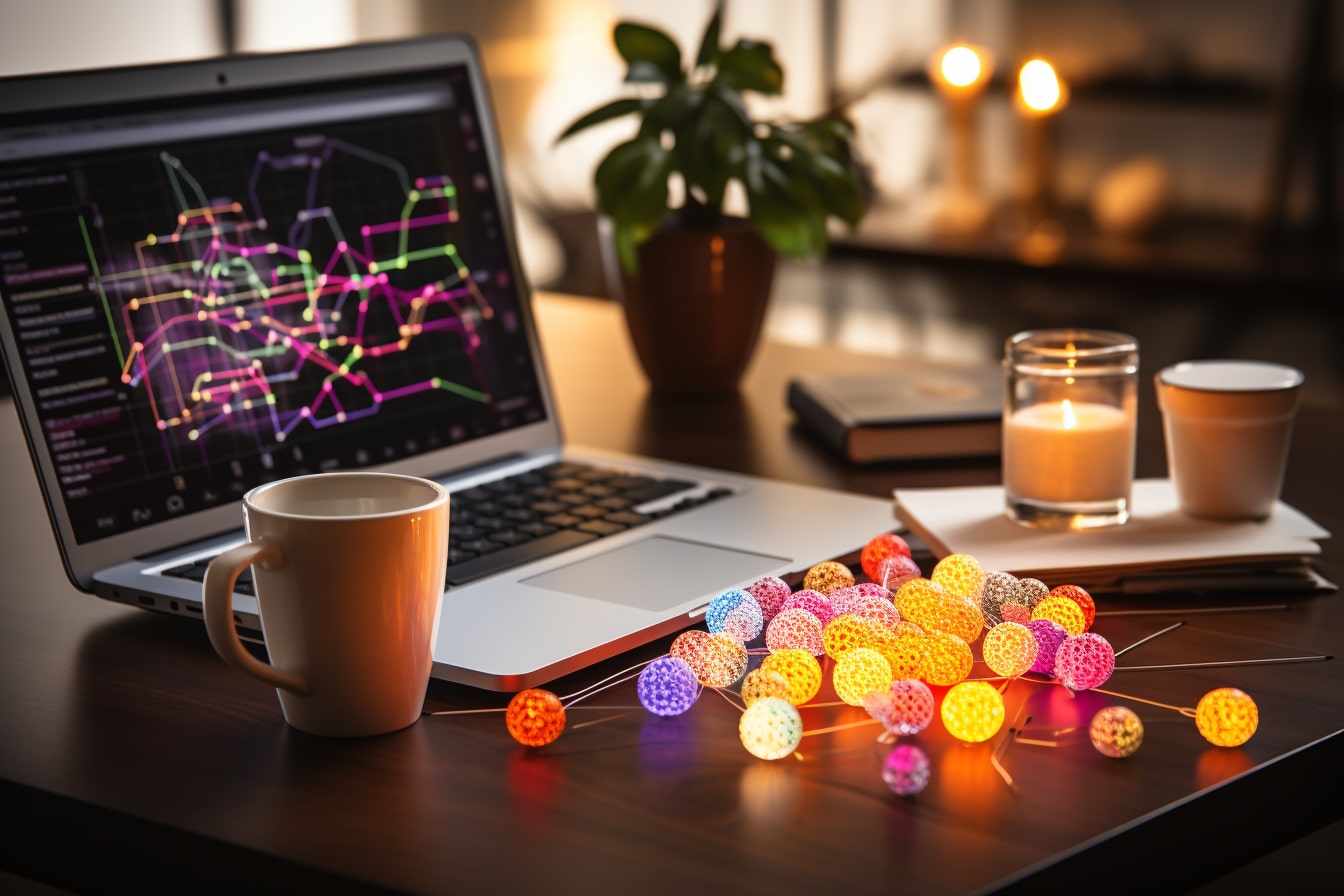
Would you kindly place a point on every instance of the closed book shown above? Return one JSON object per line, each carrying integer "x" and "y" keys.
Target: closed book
{"x": 912, "y": 413}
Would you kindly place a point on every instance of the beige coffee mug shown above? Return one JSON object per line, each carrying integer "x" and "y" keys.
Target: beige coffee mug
{"x": 349, "y": 575}
{"x": 1228, "y": 426}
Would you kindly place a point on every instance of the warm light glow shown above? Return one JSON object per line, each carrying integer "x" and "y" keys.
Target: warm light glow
{"x": 960, "y": 66}
{"x": 1040, "y": 86}
{"x": 1070, "y": 418}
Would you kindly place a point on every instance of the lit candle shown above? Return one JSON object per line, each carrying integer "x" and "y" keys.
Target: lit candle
{"x": 960, "y": 73}
{"x": 1040, "y": 95}
{"x": 1068, "y": 452}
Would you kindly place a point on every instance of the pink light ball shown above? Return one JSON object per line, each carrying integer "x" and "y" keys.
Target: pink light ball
{"x": 761, "y": 683}
{"x": 795, "y": 627}
{"x": 735, "y": 611}
{"x": 960, "y": 574}
{"x": 1116, "y": 731}
{"x": 906, "y": 707}
{"x": 1062, "y": 610}
{"x": 813, "y": 601}
{"x": 826, "y": 576}
{"x": 1049, "y": 635}
{"x": 868, "y": 600}
{"x": 717, "y": 658}
{"x": 896, "y": 570}
{"x": 535, "y": 717}
{"x": 770, "y": 593}
{"x": 973, "y": 711}
{"x": 799, "y": 668}
{"x": 667, "y": 686}
{"x": 1009, "y": 649}
{"x": 1227, "y": 717}
{"x": 1014, "y": 612}
{"x": 770, "y": 728}
{"x": 1078, "y": 595}
{"x": 860, "y": 672}
{"x": 879, "y": 548}
{"x": 1084, "y": 661}
{"x": 906, "y": 770}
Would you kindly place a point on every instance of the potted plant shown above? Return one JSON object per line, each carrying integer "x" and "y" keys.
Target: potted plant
{"x": 694, "y": 278}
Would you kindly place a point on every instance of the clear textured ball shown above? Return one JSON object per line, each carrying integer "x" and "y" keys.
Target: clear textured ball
{"x": 906, "y": 707}
{"x": 1009, "y": 649}
{"x": 1227, "y": 717}
{"x": 795, "y": 627}
{"x": 535, "y": 717}
{"x": 1084, "y": 661}
{"x": 881, "y": 547}
{"x": 735, "y": 611}
{"x": 761, "y": 683}
{"x": 858, "y": 673}
{"x": 800, "y": 669}
{"x": 813, "y": 601}
{"x": 668, "y": 686}
{"x": 999, "y": 587}
{"x": 770, "y": 593}
{"x": 857, "y": 600}
{"x": 826, "y": 576}
{"x": 1031, "y": 591}
{"x": 896, "y": 570}
{"x": 770, "y": 728}
{"x": 973, "y": 711}
{"x": 906, "y": 770}
{"x": 717, "y": 658}
{"x": 1116, "y": 731}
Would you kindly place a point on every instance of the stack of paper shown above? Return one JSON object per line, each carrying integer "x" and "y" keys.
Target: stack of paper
{"x": 1159, "y": 550}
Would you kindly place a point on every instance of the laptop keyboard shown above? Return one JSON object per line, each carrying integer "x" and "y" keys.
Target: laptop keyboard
{"x": 499, "y": 525}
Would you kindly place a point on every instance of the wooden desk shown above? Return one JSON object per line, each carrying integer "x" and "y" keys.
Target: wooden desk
{"x": 132, "y": 757}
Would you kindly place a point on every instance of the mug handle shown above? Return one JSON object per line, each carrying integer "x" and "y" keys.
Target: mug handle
{"x": 220, "y": 577}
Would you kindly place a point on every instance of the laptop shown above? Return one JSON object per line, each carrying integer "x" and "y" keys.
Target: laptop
{"x": 219, "y": 273}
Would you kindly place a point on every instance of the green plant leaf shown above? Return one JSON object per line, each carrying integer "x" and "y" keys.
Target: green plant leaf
{"x": 783, "y": 210}
{"x": 651, "y": 54}
{"x": 751, "y": 65}
{"x": 632, "y": 183}
{"x": 614, "y": 109}
{"x": 673, "y": 109}
{"x": 713, "y": 154}
{"x": 709, "y": 43}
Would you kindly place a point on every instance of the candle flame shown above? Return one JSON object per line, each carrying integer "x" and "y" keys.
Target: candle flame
{"x": 1070, "y": 418}
{"x": 1039, "y": 85}
{"x": 961, "y": 66}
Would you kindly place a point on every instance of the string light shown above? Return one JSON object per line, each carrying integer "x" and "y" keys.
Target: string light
{"x": 1078, "y": 595}
{"x": 1227, "y": 717}
{"x": 668, "y": 686}
{"x": 795, "y": 627}
{"x": 770, "y": 728}
{"x": 800, "y": 669}
{"x": 814, "y": 602}
{"x": 1084, "y": 661}
{"x": 879, "y": 548}
{"x": 535, "y": 717}
{"x": 1062, "y": 610}
{"x": 906, "y": 770}
{"x": 826, "y": 576}
{"x": 1116, "y": 731}
{"x": 961, "y": 574}
{"x": 735, "y": 611}
{"x": 859, "y": 672}
{"x": 770, "y": 593}
{"x": 760, "y": 683}
{"x": 1009, "y": 649}
{"x": 972, "y": 711}
{"x": 905, "y": 707}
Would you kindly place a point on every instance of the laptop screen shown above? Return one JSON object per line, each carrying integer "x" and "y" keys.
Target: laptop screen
{"x": 215, "y": 293}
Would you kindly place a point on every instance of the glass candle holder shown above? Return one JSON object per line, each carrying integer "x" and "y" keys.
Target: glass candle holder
{"x": 1068, "y": 427}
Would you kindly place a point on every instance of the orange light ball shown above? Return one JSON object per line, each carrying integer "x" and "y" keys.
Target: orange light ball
{"x": 847, "y": 631}
{"x": 947, "y": 659}
{"x": 905, "y": 655}
{"x": 799, "y": 668}
{"x": 1061, "y": 610}
{"x": 1116, "y": 731}
{"x": 1079, "y": 595}
{"x": 932, "y": 607}
{"x": 1227, "y": 717}
{"x": 535, "y": 717}
{"x": 761, "y": 683}
{"x": 973, "y": 711}
{"x": 960, "y": 574}
{"x": 879, "y": 548}
{"x": 1010, "y": 649}
{"x": 827, "y": 576}
{"x": 858, "y": 673}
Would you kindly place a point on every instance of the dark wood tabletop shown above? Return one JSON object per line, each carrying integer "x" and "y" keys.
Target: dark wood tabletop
{"x": 133, "y": 758}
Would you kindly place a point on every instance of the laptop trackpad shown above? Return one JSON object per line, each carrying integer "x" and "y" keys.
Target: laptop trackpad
{"x": 656, "y": 573}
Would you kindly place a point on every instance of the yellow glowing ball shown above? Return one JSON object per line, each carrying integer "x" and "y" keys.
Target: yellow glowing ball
{"x": 1063, "y": 611}
{"x": 905, "y": 655}
{"x": 932, "y": 607}
{"x": 972, "y": 711}
{"x": 827, "y": 576}
{"x": 799, "y": 668}
{"x": 960, "y": 574}
{"x": 858, "y": 673}
{"x": 947, "y": 659}
{"x": 1116, "y": 731}
{"x": 1227, "y": 717}
{"x": 761, "y": 683}
{"x": 770, "y": 728}
{"x": 1009, "y": 649}
{"x": 847, "y": 631}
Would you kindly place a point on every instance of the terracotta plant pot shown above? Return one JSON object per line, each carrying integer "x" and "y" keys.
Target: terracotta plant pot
{"x": 695, "y": 307}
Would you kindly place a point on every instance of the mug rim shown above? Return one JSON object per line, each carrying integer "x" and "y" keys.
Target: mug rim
{"x": 1231, "y": 376}
{"x": 441, "y": 495}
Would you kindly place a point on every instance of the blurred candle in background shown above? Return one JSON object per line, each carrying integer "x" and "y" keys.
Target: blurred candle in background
{"x": 1040, "y": 95}
{"x": 960, "y": 73}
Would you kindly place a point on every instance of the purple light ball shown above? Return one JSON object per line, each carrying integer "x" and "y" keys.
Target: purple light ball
{"x": 1084, "y": 661}
{"x": 906, "y": 770}
{"x": 1049, "y": 635}
{"x": 668, "y": 686}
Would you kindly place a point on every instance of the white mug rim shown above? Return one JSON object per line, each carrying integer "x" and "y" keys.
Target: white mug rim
{"x": 440, "y": 496}
{"x": 1231, "y": 376}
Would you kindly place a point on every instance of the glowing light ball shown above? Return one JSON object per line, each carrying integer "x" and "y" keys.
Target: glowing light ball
{"x": 770, "y": 593}
{"x": 1116, "y": 731}
{"x": 879, "y": 610}
{"x": 667, "y": 686}
{"x": 770, "y": 728}
{"x": 895, "y": 571}
{"x": 858, "y": 673}
{"x": 906, "y": 770}
{"x": 1227, "y": 717}
{"x": 906, "y": 707}
{"x": 535, "y": 717}
{"x": 799, "y": 668}
{"x": 999, "y": 587}
{"x": 1015, "y": 612}
{"x": 904, "y": 653}
{"x": 846, "y": 632}
{"x": 960, "y": 574}
{"x": 1084, "y": 661}
{"x": 881, "y": 547}
{"x": 813, "y": 601}
{"x": 947, "y": 659}
{"x": 735, "y": 611}
{"x": 795, "y": 627}
{"x": 826, "y": 576}
{"x": 1009, "y": 649}
{"x": 972, "y": 711}
{"x": 1062, "y": 610}
{"x": 1079, "y": 595}
{"x": 761, "y": 683}
{"x": 1031, "y": 591}
{"x": 932, "y": 607}
{"x": 717, "y": 658}
{"x": 1049, "y": 635}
